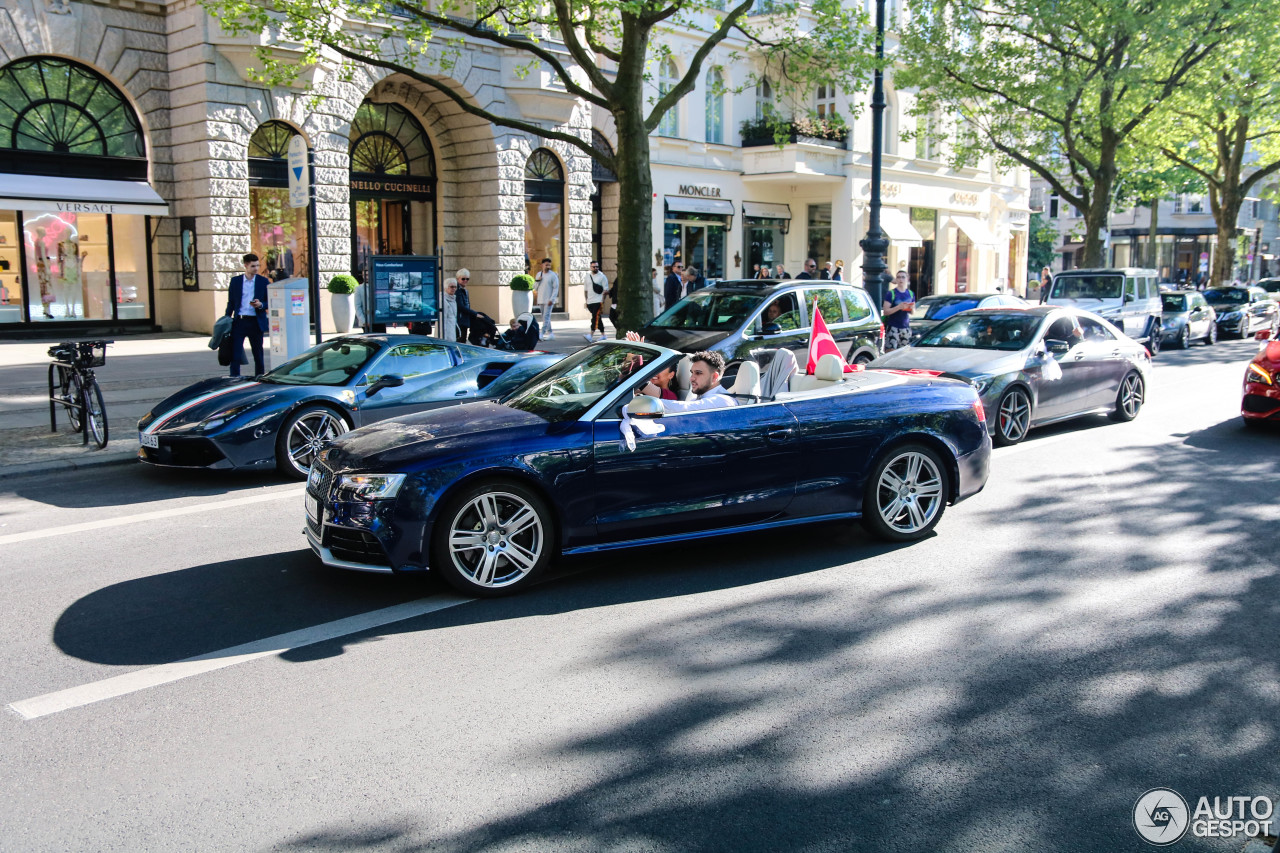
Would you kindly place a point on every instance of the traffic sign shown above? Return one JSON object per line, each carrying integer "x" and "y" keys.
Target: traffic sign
{"x": 299, "y": 175}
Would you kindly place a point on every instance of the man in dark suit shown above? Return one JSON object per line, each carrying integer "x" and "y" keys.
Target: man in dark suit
{"x": 248, "y": 308}
{"x": 673, "y": 287}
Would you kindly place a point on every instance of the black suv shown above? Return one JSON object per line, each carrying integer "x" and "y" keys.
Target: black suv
{"x": 736, "y": 318}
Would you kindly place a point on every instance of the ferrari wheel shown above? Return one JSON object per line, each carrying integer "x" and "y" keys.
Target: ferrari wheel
{"x": 1129, "y": 398}
{"x": 1013, "y": 417}
{"x": 303, "y": 436}
{"x": 492, "y": 539}
{"x": 905, "y": 494}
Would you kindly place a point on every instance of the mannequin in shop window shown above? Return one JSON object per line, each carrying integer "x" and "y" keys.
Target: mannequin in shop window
{"x": 70, "y": 279}
{"x": 42, "y": 273}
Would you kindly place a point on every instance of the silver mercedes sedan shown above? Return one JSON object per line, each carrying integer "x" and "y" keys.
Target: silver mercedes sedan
{"x": 1034, "y": 366}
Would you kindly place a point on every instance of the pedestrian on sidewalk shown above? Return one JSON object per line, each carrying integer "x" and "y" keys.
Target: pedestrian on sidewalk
{"x": 673, "y": 287}
{"x": 449, "y": 311}
{"x": 247, "y": 306}
{"x": 810, "y": 267}
{"x": 838, "y": 273}
{"x": 656, "y": 287}
{"x": 597, "y": 287}
{"x": 464, "y": 306}
{"x": 548, "y": 295}
{"x": 898, "y": 304}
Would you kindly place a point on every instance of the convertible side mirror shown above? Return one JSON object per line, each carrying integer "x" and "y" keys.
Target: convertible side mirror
{"x": 1057, "y": 347}
{"x": 391, "y": 380}
{"x": 645, "y": 407}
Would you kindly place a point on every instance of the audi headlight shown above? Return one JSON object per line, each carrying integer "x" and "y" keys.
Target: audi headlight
{"x": 1259, "y": 374}
{"x": 368, "y": 487}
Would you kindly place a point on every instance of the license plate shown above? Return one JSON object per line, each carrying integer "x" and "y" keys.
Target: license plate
{"x": 313, "y": 506}
{"x": 149, "y": 440}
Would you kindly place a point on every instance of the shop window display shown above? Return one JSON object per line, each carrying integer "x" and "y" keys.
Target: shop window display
{"x": 129, "y": 249}
{"x": 68, "y": 266}
{"x": 10, "y": 272}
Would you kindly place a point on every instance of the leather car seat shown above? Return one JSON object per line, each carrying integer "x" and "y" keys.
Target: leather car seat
{"x": 830, "y": 371}
{"x": 683, "y": 381}
{"x": 746, "y": 386}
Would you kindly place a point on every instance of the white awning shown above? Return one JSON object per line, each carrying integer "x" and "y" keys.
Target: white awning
{"x": 976, "y": 231}
{"x": 79, "y": 195}
{"x": 897, "y": 226}
{"x": 685, "y": 204}
{"x": 766, "y": 210}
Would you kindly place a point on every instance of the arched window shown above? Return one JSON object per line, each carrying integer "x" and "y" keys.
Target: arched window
{"x": 668, "y": 77}
{"x": 278, "y": 232}
{"x": 764, "y": 99}
{"x": 269, "y": 153}
{"x": 544, "y": 214}
{"x": 599, "y": 173}
{"x": 715, "y": 105}
{"x": 57, "y": 113}
{"x": 387, "y": 140}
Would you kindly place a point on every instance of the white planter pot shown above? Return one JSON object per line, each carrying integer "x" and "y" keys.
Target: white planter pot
{"x": 521, "y": 302}
{"x": 344, "y": 307}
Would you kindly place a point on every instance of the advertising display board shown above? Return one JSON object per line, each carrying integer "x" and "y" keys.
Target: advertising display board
{"x": 404, "y": 288}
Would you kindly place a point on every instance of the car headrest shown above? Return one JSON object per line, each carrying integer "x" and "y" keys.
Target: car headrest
{"x": 525, "y": 318}
{"x": 683, "y": 380}
{"x": 747, "y": 383}
{"x": 830, "y": 368}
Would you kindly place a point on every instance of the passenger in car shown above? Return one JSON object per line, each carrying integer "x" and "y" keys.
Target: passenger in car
{"x": 704, "y": 380}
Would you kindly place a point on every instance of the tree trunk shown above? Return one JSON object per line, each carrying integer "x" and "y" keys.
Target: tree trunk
{"x": 635, "y": 223}
{"x": 1153, "y": 235}
{"x": 1226, "y": 204}
{"x": 1096, "y": 219}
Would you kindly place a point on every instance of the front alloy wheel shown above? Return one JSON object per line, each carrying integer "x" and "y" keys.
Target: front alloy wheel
{"x": 1013, "y": 417}
{"x": 305, "y": 434}
{"x": 1129, "y": 398}
{"x": 1211, "y": 337}
{"x": 906, "y": 494}
{"x": 492, "y": 539}
{"x": 1184, "y": 338}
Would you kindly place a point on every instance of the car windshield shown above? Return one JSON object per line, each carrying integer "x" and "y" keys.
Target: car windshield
{"x": 1174, "y": 303}
{"x": 564, "y": 391}
{"x": 1087, "y": 286}
{"x": 941, "y": 307}
{"x": 710, "y": 310}
{"x": 332, "y": 363}
{"x": 1226, "y": 296}
{"x": 983, "y": 330}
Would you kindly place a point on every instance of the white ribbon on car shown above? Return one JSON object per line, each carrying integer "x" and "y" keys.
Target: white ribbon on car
{"x": 1050, "y": 370}
{"x": 643, "y": 426}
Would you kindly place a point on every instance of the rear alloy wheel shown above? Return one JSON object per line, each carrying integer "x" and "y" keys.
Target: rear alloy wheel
{"x": 492, "y": 539}
{"x": 863, "y": 358}
{"x": 304, "y": 435}
{"x": 1153, "y": 339}
{"x": 1013, "y": 417}
{"x": 905, "y": 494}
{"x": 1184, "y": 338}
{"x": 1129, "y": 398}
{"x": 1211, "y": 337}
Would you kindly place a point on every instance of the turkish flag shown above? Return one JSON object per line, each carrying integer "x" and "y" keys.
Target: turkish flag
{"x": 821, "y": 343}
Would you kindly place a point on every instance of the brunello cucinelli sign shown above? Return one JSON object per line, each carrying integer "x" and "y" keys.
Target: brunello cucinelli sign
{"x": 699, "y": 190}
{"x": 393, "y": 185}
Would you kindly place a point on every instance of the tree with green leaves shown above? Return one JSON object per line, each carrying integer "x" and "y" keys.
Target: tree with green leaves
{"x": 1059, "y": 87}
{"x": 1146, "y": 177}
{"x": 1225, "y": 129}
{"x": 602, "y": 52}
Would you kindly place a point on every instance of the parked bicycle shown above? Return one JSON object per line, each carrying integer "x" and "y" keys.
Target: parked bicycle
{"x": 73, "y": 386}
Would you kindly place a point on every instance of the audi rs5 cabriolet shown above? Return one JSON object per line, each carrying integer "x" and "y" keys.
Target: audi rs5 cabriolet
{"x": 488, "y": 494}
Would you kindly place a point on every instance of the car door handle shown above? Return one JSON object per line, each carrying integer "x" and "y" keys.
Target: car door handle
{"x": 779, "y": 435}
{"x": 1078, "y": 356}
{"x": 461, "y": 393}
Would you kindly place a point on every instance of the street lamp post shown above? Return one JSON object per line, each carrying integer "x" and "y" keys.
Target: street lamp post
{"x": 875, "y": 245}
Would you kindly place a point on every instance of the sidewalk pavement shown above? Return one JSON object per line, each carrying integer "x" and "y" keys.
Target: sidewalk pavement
{"x": 140, "y": 371}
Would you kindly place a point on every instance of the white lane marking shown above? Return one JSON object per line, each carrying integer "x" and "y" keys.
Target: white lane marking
{"x": 167, "y": 416}
{"x": 154, "y": 676}
{"x": 211, "y": 506}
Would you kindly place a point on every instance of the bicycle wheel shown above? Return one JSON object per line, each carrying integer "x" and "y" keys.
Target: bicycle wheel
{"x": 96, "y": 410}
{"x": 71, "y": 392}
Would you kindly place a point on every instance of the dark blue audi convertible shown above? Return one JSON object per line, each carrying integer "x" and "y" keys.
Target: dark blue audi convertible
{"x": 488, "y": 494}
{"x": 286, "y": 416}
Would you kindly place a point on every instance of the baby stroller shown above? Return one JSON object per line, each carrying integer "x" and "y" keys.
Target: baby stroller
{"x": 524, "y": 338}
{"x": 483, "y": 329}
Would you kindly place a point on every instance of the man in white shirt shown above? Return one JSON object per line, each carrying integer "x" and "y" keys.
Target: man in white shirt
{"x": 597, "y": 287}
{"x": 705, "y": 369}
{"x": 548, "y": 293}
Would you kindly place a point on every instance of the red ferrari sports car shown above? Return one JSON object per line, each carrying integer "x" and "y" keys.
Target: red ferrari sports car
{"x": 1261, "y": 404}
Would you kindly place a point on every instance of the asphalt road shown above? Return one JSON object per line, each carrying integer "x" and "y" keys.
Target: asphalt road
{"x": 1100, "y": 621}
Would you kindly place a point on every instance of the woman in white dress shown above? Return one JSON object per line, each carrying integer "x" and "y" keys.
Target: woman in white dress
{"x": 656, "y": 287}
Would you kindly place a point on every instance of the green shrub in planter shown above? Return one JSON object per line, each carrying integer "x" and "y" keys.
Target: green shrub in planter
{"x": 343, "y": 284}
{"x": 522, "y": 282}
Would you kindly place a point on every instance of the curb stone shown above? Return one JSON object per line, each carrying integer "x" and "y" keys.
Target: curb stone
{"x": 99, "y": 459}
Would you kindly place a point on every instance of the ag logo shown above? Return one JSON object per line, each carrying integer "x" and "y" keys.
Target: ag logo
{"x": 1161, "y": 817}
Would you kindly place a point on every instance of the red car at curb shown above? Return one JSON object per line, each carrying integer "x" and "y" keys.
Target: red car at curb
{"x": 1261, "y": 403}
